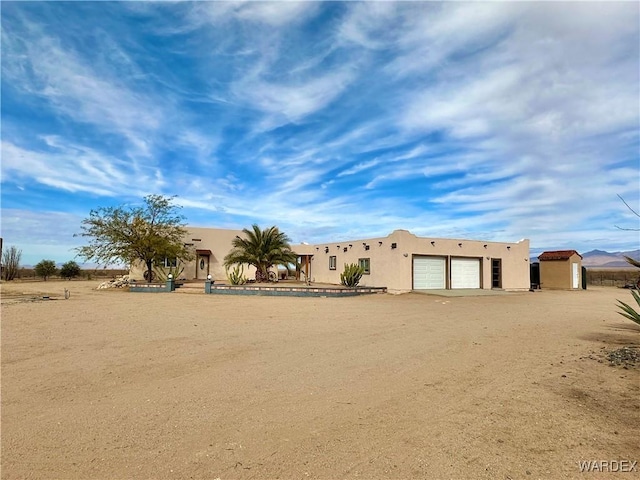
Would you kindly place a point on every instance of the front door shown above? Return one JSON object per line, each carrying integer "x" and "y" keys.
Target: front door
{"x": 202, "y": 267}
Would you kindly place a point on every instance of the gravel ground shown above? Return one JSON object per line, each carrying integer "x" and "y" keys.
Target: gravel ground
{"x": 625, "y": 356}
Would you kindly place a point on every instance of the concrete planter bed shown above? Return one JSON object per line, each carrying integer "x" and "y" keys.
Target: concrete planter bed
{"x": 168, "y": 286}
{"x": 291, "y": 291}
{"x": 148, "y": 287}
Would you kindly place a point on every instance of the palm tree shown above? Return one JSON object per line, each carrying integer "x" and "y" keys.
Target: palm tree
{"x": 262, "y": 249}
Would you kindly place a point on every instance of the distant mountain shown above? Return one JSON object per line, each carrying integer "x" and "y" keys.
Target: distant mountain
{"x": 600, "y": 258}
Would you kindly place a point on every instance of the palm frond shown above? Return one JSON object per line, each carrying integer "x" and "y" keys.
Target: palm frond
{"x": 260, "y": 248}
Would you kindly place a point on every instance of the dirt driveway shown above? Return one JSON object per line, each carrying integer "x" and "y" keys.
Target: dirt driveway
{"x": 116, "y": 385}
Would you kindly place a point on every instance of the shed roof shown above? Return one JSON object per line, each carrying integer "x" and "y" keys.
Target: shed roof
{"x": 558, "y": 255}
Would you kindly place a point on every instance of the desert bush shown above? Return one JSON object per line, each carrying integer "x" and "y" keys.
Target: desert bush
{"x": 46, "y": 268}
{"x": 70, "y": 270}
{"x": 236, "y": 276}
{"x": 11, "y": 262}
{"x": 351, "y": 275}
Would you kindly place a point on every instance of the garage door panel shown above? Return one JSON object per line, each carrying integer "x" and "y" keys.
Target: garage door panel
{"x": 429, "y": 273}
{"x": 465, "y": 273}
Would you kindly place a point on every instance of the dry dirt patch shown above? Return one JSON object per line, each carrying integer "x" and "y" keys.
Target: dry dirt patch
{"x": 122, "y": 385}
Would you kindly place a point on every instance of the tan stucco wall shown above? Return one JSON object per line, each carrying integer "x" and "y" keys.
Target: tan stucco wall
{"x": 392, "y": 268}
{"x": 558, "y": 274}
{"x": 217, "y": 240}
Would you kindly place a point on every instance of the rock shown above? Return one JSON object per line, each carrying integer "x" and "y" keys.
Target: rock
{"x": 625, "y": 356}
{"x": 118, "y": 282}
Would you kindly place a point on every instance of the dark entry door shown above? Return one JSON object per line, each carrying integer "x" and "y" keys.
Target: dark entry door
{"x": 496, "y": 273}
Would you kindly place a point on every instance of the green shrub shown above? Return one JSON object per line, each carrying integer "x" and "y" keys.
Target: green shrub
{"x": 351, "y": 275}
{"x": 46, "y": 269}
{"x": 236, "y": 276}
{"x": 70, "y": 270}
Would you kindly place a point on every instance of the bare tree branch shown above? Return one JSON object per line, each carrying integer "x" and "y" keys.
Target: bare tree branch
{"x": 634, "y": 212}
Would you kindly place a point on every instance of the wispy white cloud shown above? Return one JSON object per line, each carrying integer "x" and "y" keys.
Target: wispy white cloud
{"x": 293, "y": 101}
{"x": 276, "y": 14}
{"x": 271, "y": 14}
{"x": 359, "y": 168}
{"x": 40, "y": 65}
{"x": 76, "y": 168}
{"x": 369, "y": 25}
{"x": 105, "y": 89}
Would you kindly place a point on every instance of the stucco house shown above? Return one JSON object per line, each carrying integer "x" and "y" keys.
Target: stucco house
{"x": 560, "y": 269}
{"x": 401, "y": 261}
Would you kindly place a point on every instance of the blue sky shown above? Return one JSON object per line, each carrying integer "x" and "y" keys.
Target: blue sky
{"x": 332, "y": 120}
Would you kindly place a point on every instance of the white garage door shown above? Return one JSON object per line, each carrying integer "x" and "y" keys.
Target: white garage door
{"x": 428, "y": 273}
{"x": 465, "y": 273}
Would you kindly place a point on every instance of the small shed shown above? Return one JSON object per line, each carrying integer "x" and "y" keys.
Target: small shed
{"x": 561, "y": 269}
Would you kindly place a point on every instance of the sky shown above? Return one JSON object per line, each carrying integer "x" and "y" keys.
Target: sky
{"x": 332, "y": 120}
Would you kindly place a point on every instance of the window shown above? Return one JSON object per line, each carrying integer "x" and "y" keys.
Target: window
{"x": 365, "y": 263}
{"x": 170, "y": 262}
{"x": 332, "y": 262}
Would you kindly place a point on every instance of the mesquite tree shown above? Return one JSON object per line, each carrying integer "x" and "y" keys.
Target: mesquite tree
{"x": 127, "y": 234}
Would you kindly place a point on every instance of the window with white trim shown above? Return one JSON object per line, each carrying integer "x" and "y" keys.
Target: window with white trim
{"x": 332, "y": 262}
{"x": 170, "y": 262}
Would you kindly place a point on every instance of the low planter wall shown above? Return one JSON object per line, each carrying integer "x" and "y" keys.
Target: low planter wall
{"x": 168, "y": 286}
{"x": 290, "y": 291}
{"x": 147, "y": 287}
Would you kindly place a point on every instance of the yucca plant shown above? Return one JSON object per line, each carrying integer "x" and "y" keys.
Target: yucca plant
{"x": 162, "y": 273}
{"x": 351, "y": 275}
{"x": 236, "y": 276}
{"x": 627, "y": 310}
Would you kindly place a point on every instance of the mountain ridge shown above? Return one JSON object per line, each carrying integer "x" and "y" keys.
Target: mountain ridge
{"x": 602, "y": 258}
